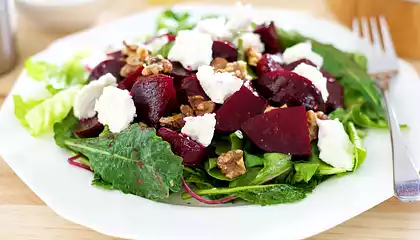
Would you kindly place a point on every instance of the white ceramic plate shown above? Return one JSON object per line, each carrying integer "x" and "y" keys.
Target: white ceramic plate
{"x": 67, "y": 190}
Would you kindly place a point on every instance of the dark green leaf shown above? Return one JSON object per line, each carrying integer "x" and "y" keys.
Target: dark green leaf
{"x": 359, "y": 153}
{"x": 134, "y": 161}
{"x": 274, "y": 165}
{"x": 164, "y": 51}
{"x": 211, "y": 168}
{"x": 260, "y": 194}
{"x": 245, "y": 179}
{"x": 253, "y": 160}
{"x": 197, "y": 177}
{"x": 174, "y": 21}
{"x": 99, "y": 182}
{"x": 64, "y": 130}
{"x": 305, "y": 170}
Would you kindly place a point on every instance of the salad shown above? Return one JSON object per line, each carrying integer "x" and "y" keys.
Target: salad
{"x": 220, "y": 109}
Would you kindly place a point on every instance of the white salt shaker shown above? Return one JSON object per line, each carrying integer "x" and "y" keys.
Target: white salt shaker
{"x": 7, "y": 37}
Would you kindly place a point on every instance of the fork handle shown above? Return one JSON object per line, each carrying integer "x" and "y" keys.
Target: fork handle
{"x": 406, "y": 176}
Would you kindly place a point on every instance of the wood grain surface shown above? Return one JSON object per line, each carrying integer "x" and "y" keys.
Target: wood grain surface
{"x": 24, "y": 216}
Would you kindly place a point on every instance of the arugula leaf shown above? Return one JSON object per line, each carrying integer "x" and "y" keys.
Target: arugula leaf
{"x": 211, "y": 168}
{"x": 260, "y": 194}
{"x": 196, "y": 176}
{"x": 359, "y": 153}
{"x": 64, "y": 130}
{"x": 233, "y": 143}
{"x": 253, "y": 160}
{"x": 164, "y": 51}
{"x": 174, "y": 21}
{"x": 323, "y": 168}
{"x": 274, "y": 165}
{"x": 245, "y": 179}
{"x": 305, "y": 170}
{"x": 241, "y": 50}
{"x": 359, "y": 117}
{"x": 22, "y": 108}
{"x": 134, "y": 161}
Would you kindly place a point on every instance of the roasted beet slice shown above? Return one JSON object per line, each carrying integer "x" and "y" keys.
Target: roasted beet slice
{"x": 268, "y": 35}
{"x": 269, "y": 63}
{"x": 128, "y": 82}
{"x": 190, "y": 86}
{"x": 179, "y": 72}
{"x": 116, "y": 55}
{"x": 283, "y": 130}
{"x": 112, "y": 66}
{"x": 154, "y": 97}
{"x": 336, "y": 94}
{"x": 191, "y": 151}
{"x": 286, "y": 87}
{"x": 293, "y": 65}
{"x": 89, "y": 127}
{"x": 224, "y": 50}
{"x": 237, "y": 109}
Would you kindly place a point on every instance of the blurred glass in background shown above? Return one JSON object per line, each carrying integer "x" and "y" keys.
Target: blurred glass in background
{"x": 7, "y": 37}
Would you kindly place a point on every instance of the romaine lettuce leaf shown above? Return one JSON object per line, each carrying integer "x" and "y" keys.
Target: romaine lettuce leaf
{"x": 359, "y": 153}
{"x": 23, "y": 107}
{"x": 42, "y": 117}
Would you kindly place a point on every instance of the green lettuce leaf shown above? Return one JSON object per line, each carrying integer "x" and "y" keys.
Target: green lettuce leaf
{"x": 305, "y": 170}
{"x": 164, "y": 51}
{"x": 233, "y": 142}
{"x": 197, "y": 176}
{"x": 42, "y": 117}
{"x": 134, "y": 161}
{"x": 63, "y": 130}
{"x": 22, "y": 108}
{"x": 174, "y": 21}
{"x": 253, "y": 160}
{"x": 359, "y": 153}
{"x": 211, "y": 168}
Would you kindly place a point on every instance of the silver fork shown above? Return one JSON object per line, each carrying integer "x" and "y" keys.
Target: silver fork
{"x": 383, "y": 66}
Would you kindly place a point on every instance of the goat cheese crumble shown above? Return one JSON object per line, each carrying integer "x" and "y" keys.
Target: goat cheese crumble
{"x": 200, "y": 128}
{"x": 115, "y": 108}
{"x": 334, "y": 144}
{"x": 302, "y": 51}
{"x": 250, "y": 39}
{"x": 315, "y": 76}
{"x": 84, "y": 102}
{"x": 215, "y": 27}
{"x": 192, "y": 49}
{"x": 241, "y": 17}
{"x": 217, "y": 85}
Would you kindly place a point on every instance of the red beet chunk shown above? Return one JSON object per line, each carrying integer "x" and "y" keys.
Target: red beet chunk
{"x": 190, "y": 86}
{"x": 336, "y": 95}
{"x": 154, "y": 97}
{"x": 179, "y": 72}
{"x": 268, "y": 35}
{"x": 89, "y": 127}
{"x": 224, "y": 50}
{"x": 283, "y": 130}
{"x": 129, "y": 81}
{"x": 293, "y": 65}
{"x": 112, "y": 66}
{"x": 117, "y": 55}
{"x": 285, "y": 87}
{"x": 237, "y": 109}
{"x": 191, "y": 151}
{"x": 269, "y": 63}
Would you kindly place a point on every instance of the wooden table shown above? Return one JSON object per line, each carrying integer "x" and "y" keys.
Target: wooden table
{"x": 24, "y": 216}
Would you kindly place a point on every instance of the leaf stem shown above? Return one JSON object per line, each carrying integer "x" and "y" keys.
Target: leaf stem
{"x": 72, "y": 161}
{"x": 204, "y": 200}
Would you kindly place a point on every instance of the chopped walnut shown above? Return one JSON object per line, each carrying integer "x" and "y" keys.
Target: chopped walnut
{"x": 231, "y": 164}
{"x": 270, "y": 108}
{"x": 205, "y": 107}
{"x": 219, "y": 63}
{"x": 253, "y": 56}
{"x": 311, "y": 118}
{"x": 157, "y": 64}
{"x": 127, "y": 69}
{"x": 174, "y": 122}
{"x": 129, "y": 49}
{"x": 238, "y": 68}
{"x": 200, "y": 106}
{"x": 187, "y": 111}
{"x": 142, "y": 54}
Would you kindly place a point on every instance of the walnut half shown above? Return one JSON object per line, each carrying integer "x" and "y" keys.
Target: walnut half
{"x": 156, "y": 65}
{"x": 174, "y": 122}
{"x": 200, "y": 106}
{"x": 311, "y": 118}
{"x": 232, "y": 164}
{"x": 253, "y": 56}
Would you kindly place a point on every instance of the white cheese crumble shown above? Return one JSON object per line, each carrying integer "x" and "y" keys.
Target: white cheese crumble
{"x": 218, "y": 86}
{"x": 157, "y": 43}
{"x": 200, "y": 128}
{"x": 115, "y": 108}
{"x": 84, "y": 103}
{"x": 302, "y": 51}
{"x": 334, "y": 144}
{"x": 250, "y": 39}
{"x": 192, "y": 49}
{"x": 215, "y": 27}
{"x": 241, "y": 18}
{"x": 315, "y": 76}
{"x": 239, "y": 134}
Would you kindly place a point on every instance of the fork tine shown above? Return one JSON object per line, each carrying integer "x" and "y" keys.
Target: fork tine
{"x": 386, "y": 36}
{"x": 355, "y": 26}
{"x": 377, "y": 42}
{"x": 365, "y": 29}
